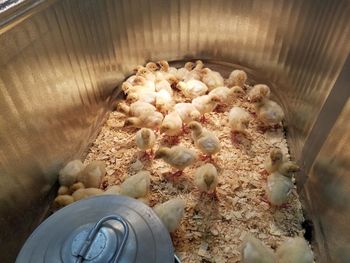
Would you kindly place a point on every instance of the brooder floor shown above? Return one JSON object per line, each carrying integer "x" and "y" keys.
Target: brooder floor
{"x": 211, "y": 230}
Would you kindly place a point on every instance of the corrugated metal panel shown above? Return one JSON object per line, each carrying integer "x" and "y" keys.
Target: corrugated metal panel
{"x": 60, "y": 61}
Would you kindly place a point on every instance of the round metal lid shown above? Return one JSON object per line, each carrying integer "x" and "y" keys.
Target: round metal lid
{"x": 61, "y": 237}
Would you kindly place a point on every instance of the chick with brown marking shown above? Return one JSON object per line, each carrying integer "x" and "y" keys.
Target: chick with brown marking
{"x": 144, "y": 84}
{"x": 273, "y": 163}
{"x": 254, "y": 251}
{"x": 151, "y": 66}
{"x": 206, "y": 179}
{"x": 196, "y": 72}
{"x": 205, "y": 104}
{"x": 85, "y": 193}
{"x": 192, "y": 88}
{"x": 62, "y": 200}
{"x": 170, "y": 213}
{"x": 204, "y": 140}
{"x": 92, "y": 174}
{"x": 68, "y": 174}
{"x": 145, "y": 140}
{"x": 147, "y": 119}
{"x": 226, "y": 94}
{"x": 237, "y": 78}
{"x": 164, "y": 67}
{"x": 187, "y": 112}
{"x": 212, "y": 79}
{"x": 172, "y": 127}
{"x": 294, "y": 250}
{"x": 178, "y": 157}
{"x": 268, "y": 112}
{"x": 183, "y": 72}
{"x": 136, "y": 186}
{"x": 164, "y": 101}
{"x": 145, "y": 72}
{"x": 259, "y": 90}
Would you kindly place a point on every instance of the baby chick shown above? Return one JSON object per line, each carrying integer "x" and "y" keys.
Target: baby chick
{"x": 171, "y": 213}
{"x": 226, "y": 95}
{"x": 92, "y": 174}
{"x": 63, "y": 190}
{"x": 206, "y": 178}
{"x": 183, "y": 72}
{"x": 172, "y": 126}
{"x": 258, "y": 90}
{"x": 278, "y": 189}
{"x": 136, "y": 186}
{"x": 151, "y": 66}
{"x": 274, "y": 161}
{"x": 76, "y": 186}
{"x": 238, "y": 120}
{"x": 164, "y": 101}
{"x": 288, "y": 169}
{"x": 139, "y": 108}
{"x": 147, "y": 119}
{"x": 187, "y": 112}
{"x": 112, "y": 190}
{"x": 85, "y": 193}
{"x": 212, "y": 79}
{"x": 237, "y": 78}
{"x": 295, "y": 250}
{"x": 204, "y": 140}
{"x": 145, "y": 140}
{"x": 178, "y": 157}
{"x": 192, "y": 88}
{"x": 268, "y": 112}
{"x": 254, "y": 251}
{"x": 145, "y": 72}
{"x": 205, "y": 104}
{"x": 62, "y": 200}
{"x": 142, "y": 95}
{"x": 164, "y": 85}
{"x": 68, "y": 174}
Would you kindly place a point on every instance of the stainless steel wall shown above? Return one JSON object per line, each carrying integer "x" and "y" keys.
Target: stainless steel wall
{"x": 60, "y": 60}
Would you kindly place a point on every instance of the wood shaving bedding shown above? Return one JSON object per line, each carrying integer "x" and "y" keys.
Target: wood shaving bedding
{"x": 211, "y": 230}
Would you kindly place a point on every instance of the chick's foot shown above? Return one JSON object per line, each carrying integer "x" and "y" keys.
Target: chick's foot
{"x": 203, "y": 119}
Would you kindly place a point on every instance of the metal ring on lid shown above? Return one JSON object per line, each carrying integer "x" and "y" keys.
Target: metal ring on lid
{"x": 82, "y": 255}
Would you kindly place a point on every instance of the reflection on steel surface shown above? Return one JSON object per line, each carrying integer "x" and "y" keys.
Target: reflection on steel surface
{"x": 60, "y": 63}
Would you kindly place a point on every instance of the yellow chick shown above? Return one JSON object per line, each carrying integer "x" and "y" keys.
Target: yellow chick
{"x": 76, "y": 186}
{"x": 171, "y": 213}
{"x": 151, "y": 66}
{"x": 139, "y": 108}
{"x": 145, "y": 72}
{"x": 136, "y": 186}
{"x": 92, "y": 174}
{"x": 172, "y": 126}
{"x": 204, "y": 140}
{"x": 178, "y": 157}
{"x": 237, "y": 78}
{"x": 144, "y": 84}
{"x": 123, "y": 107}
{"x": 112, "y": 190}
{"x": 206, "y": 178}
{"x": 192, "y": 88}
{"x": 227, "y": 94}
{"x": 62, "y": 200}
{"x": 238, "y": 121}
{"x": 164, "y": 101}
{"x": 278, "y": 189}
{"x": 196, "y": 72}
{"x": 254, "y": 251}
{"x": 212, "y": 79}
{"x": 142, "y": 95}
{"x": 288, "y": 169}
{"x": 145, "y": 140}
{"x": 259, "y": 90}
{"x": 164, "y": 85}
{"x": 85, "y": 193}
{"x": 151, "y": 120}
{"x": 274, "y": 161}
{"x": 63, "y": 190}
{"x": 183, "y": 72}
{"x": 68, "y": 174}
{"x": 187, "y": 112}
{"x": 294, "y": 250}
{"x": 268, "y": 112}
{"x": 205, "y": 104}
